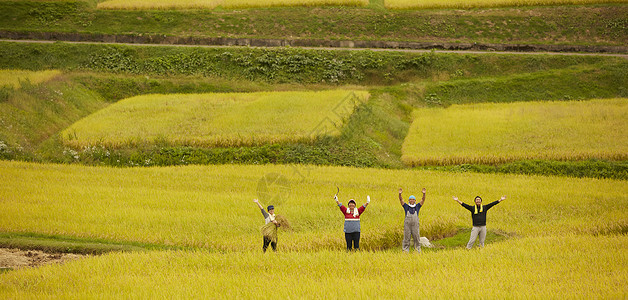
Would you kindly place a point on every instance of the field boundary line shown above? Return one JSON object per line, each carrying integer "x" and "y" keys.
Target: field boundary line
{"x": 164, "y": 40}
{"x": 625, "y": 56}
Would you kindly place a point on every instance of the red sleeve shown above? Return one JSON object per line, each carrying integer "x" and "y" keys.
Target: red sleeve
{"x": 361, "y": 209}
{"x": 343, "y": 209}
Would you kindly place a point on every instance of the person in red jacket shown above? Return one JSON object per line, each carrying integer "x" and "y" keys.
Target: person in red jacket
{"x": 352, "y": 221}
{"x": 478, "y": 214}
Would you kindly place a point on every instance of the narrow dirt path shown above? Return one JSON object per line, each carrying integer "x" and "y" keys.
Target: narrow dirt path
{"x": 16, "y": 258}
{"x": 337, "y": 48}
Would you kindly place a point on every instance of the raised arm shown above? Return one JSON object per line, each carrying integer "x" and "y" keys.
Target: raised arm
{"x": 258, "y": 204}
{"x": 423, "y": 197}
{"x": 467, "y": 206}
{"x": 264, "y": 213}
{"x": 494, "y": 203}
{"x": 401, "y": 197}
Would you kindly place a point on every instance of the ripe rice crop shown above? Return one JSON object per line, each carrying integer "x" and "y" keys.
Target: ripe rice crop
{"x": 212, "y": 206}
{"x": 270, "y": 3}
{"x": 498, "y": 133}
{"x": 14, "y": 78}
{"x": 229, "y": 4}
{"x": 217, "y": 119}
{"x": 467, "y": 4}
{"x": 531, "y": 267}
{"x": 566, "y": 231}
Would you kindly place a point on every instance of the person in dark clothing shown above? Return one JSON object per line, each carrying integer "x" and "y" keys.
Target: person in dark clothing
{"x": 478, "y": 214}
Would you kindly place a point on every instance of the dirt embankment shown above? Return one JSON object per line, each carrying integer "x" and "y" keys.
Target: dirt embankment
{"x": 16, "y": 258}
{"x": 159, "y": 39}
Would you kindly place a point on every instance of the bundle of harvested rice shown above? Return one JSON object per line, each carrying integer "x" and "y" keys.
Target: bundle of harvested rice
{"x": 270, "y": 230}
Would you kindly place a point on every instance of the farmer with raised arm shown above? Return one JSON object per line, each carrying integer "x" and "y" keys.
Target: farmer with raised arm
{"x": 352, "y": 221}
{"x": 478, "y": 214}
{"x": 411, "y": 222}
{"x": 269, "y": 217}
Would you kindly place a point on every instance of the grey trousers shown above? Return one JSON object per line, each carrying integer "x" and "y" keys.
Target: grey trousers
{"x": 477, "y": 230}
{"x": 411, "y": 229}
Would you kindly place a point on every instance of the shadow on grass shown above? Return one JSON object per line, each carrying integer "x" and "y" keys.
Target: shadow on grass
{"x": 64, "y": 244}
{"x": 461, "y": 238}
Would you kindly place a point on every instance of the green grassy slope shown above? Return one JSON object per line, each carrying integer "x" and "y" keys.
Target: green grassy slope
{"x": 570, "y": 24}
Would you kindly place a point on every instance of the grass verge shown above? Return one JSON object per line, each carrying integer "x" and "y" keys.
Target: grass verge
{"x": 66, "y": 244}
{"x": 603, "y": 24}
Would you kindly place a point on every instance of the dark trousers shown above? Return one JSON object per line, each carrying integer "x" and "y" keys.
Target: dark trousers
{"x": 354, "y": 238}
{"x": 267, "y": 242}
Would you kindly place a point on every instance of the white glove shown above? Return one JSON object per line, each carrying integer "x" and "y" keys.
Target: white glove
{"x": 368, "y": 199}
{"x": 336, "y": 198}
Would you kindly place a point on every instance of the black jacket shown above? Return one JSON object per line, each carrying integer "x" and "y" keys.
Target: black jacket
{"x": 479, "y": 219}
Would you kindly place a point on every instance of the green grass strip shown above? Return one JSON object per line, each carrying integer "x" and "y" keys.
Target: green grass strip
{"x": 66, "y": 244}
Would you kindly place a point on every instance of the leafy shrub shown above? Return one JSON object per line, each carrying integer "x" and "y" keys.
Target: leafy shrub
{"x": 5, "y": 92}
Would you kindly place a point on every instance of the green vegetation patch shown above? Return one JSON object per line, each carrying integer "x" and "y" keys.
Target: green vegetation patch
{"x": 63, "y": 244}
{"x": 603, "y": 24}
{"x": 594, "y": 168}
{"x": 217, "y": 119}
{"x": 498, "y": 133}
{"x": 570, "y": 83}
{"x": 307, "y": 66}
{"x": 461, "y": 238}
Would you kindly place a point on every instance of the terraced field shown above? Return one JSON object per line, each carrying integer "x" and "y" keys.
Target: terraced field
{"x": 227, "y": 4}
{"x": 497, "y": 133}
{"x": 129, "y": 171}
{"x": 217, "y": 119}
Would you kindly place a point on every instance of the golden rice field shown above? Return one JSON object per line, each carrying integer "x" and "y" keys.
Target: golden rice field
{"x": 226, "y": 119}
{"x": 420, "y": 4}
{"x": 212, "y": 207}
{"x": 14, "y": 78}
{"x": 229, "y": 4}
{"x": 566, "y": 233}
{"x": 546, "y": 267}
{"x": 496, "y": 133}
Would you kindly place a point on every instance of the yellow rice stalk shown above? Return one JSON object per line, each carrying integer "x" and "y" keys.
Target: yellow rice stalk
{"x": 159, "y": 4}
{"x": 270, "y": 229}
{"x": 272, "y": 3}
{"x": 229, "y": 4}
{"x": 468, "y": 4}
